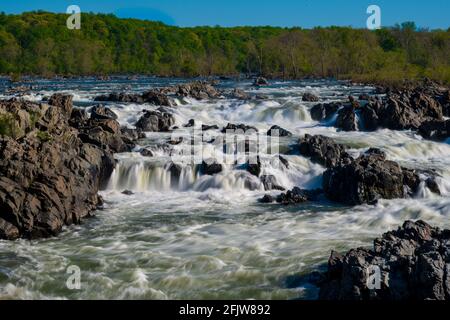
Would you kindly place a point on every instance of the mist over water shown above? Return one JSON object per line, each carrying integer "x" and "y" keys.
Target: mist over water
{"x": 194, "y": 236}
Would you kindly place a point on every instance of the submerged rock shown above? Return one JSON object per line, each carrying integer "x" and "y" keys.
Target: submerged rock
{"x": 408, "y": 264}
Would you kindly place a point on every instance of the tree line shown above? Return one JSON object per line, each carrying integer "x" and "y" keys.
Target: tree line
{"x": 39, "y": 43}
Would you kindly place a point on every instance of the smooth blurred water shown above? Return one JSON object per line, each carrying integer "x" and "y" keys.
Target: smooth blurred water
{"x": 204, "y": 237}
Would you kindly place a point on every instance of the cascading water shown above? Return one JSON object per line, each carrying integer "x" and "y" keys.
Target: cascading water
{"x": 184, "y": 234}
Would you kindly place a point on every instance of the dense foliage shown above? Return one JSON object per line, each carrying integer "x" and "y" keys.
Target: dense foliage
{"x": 39, "y": 43}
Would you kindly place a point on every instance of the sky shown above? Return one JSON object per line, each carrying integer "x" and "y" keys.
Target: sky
{"x": 284, "y": 13}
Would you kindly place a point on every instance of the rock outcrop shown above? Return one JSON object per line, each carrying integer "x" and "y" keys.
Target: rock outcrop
{"x": 367, "y": 179}
{"x": 50, "y": 171}
{"x": 411, "y": 263}
{"x": 323, "y": 150}
{"x": 309, "y": 97}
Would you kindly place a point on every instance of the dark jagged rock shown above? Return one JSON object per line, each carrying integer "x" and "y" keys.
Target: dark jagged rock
{"x": 267, "y": 199}
{"x": 270, "y": 183}
{"x": 210, "y": 168}
{"x": 284, "y": 161}
{"x": 261, "y": 81}
{"x": 121, "y": 97}
{"x": 435, "y": 129}
{"x": 207, "y": 127}
{"x": 346, "y": 119}
{"x": 239, "y": 94}
{"x": 297, "y": 195}
{"x": 199, "y": 90}
{"x": 239, "y": 128}
{"x": 322, "y": 150}
{"x": 146, "y": 153}
{"x": 324, "y": 111}
{"x": 279, "y": 132}
{"x": 367, "y": 179}
{"x": 369, "y": 115}
{"x": 190, "y": 124}
{"x": 156, "y": 98}
{"x": 102, "y": 113}
{"x": 412, "y": 263}
{"x": 127, "y": 192}
{"x": 155, "y": 121}
{"x": 309, "y": 97}
{"x": 49, "y": 177}
{"x": 254, "y": 166}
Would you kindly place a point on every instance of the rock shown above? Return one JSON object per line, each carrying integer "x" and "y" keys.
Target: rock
{"x": 190, "y": 124}
{"x": 260, "y": 81}
{"x": 210, "y": 168}
{"x": 309, "y": 97}
{"x": 156, "y": 98}
{"x": 49, "y": 177}
{"x": 267, "y": 199}
{"x": 284, "y": 161}
{"x": 254, "y": 166}
{"x": 435, "y": 129}
{"x": 278, "y": 132}
{"x": 297, "y": 195}
{"x": 155, "y": 121}
{"x": 323, "y": 150}
{"x": 78, "y": 117}
{"x": 412, "y": 262}
{"x": 270, "y": 183}
{"x": 121, "y": 97}
{"x": 207, "y": 127}
{"x": 199, "y": 90}
{"x": 127, "y": 192}
{"x": 102, "y": 113}
{"x": 369, "y": 116}
{"x": 63, "y": 102}
{"x": 239, "y": 94}
{"x": 239, "y": 128}
{"x": 367, "y": 179}
{"x": 146, "y": 153}
{"x": 324, "y": 111}
{"x": 346, "y": 119}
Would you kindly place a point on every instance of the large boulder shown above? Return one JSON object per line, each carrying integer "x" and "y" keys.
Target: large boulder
{"x": 346, "y": 119}
{"x": 199, "y": 90}
{"x": 156, "y": 98}
{"x": 323, "y": 150}
{"x": 156, "y": 121}
{"x": 408, "y": 264}
{"x": 435, "y": 129}
{"x": 367, "y": 179}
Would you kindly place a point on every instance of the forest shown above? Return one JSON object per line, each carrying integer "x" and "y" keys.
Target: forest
{"x": 39, "y": 43}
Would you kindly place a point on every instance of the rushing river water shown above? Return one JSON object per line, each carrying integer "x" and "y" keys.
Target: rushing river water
{"x": 207, "y": 237}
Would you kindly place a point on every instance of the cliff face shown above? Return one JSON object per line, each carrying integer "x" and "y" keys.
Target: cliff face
{"x": 50, "y": 171}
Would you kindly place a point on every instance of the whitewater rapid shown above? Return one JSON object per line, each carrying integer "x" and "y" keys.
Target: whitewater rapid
{"x": 195, "y": 236}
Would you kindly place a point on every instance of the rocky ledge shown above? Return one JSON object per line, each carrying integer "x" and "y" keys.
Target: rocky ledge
{"x": 53, "y": 161}
{"x": 412, "y": 263}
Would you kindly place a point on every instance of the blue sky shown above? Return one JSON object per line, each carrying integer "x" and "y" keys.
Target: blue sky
{"x": 304, "y": 13}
